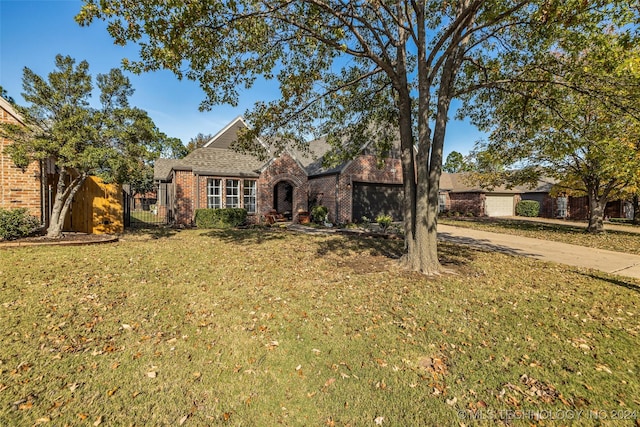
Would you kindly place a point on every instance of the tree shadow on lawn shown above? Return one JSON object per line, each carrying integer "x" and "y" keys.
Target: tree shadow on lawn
{"x": 525, "y": 225}
{"x": 153, "y": 232}
{"x": 245, "y": 235}
{"x": 540, "y": 226}
{"x": 622, "y": 283}
{"x": 482, "y": 245}
{"x": 450, "y": 255}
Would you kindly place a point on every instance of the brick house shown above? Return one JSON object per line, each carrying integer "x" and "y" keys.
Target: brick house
{"x": 458, "y": 194}
{"x": 289, "y": 182}
{"x": 21, "y": 188}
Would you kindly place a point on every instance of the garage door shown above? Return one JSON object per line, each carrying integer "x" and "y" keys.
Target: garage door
{"x": 498, "y": 205}
{"x": 371, "y": 200}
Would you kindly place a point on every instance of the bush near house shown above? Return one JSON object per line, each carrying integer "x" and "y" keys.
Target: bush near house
{"x": 220, "y": 218}
{"x": 384, "y": 221}
{"x": 528, "y": 208}
{"x": 16, "y": 223}
{"x": 319, "y": 214}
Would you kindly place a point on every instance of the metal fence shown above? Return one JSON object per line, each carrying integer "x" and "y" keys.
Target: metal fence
{"x": 143, "y": 214}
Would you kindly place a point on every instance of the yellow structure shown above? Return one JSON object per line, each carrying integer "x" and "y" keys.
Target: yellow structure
{"x": 97, "y": 208}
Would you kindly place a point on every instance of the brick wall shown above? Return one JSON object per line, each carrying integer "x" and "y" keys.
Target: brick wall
{"x": 578, "y": 208}
{"x": 18, "y": 188}
{"x": 283, "y": 168}
{"x": 322, "y": 191}
{"x": 184, "y": 203}
{"x": 467, "y": 202}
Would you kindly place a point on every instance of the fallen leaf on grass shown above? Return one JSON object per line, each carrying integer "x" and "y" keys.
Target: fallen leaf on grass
{"x": 112, "y": 391}
{"x": 98, "y": 421}
{"x": 604, "y": 368}
{"x": 452, "y": 401}
{"x": 378, "y": 420}
{"x": 24, "y": 405}
{"x": 183, "y": 419}
{"x": 43, "y": 420}
{"x": 152, "y": 374}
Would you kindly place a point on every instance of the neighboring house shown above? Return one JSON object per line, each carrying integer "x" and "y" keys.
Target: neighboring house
{"x": 458, "y": 194}
{"x": 96, "y": 208}
{"x": 22, "y": 188}
{"x": 289, "y": 182}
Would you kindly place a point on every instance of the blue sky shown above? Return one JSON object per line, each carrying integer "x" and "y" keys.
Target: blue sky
{"x": 32, "y": 33}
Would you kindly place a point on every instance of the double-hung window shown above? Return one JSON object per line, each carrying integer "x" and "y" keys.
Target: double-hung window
{"x": 249, "y": 193}
{"x": 233, "y": 193}
{"x": 562, "y": 202}
{"x": 214, "y": 193}
{"x": 442, "y": 202}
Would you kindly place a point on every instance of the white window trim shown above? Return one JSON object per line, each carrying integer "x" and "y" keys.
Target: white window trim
{"x": 211, "y": 196}
{"x": 253, "y": 195}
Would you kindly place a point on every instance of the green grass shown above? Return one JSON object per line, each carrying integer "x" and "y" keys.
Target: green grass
{"x": 260, "y": 328}
{"x": 140, "y": 219}
{"x": 612, "y": 240}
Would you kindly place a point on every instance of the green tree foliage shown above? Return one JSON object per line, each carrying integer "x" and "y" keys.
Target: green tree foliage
{"x": 575, "y": 120}
{"x": 114, "y": 141}
{"x": 456, "y": 163}
{"x": 356, "y": 71}
{"x": 198, "y": 141}
{"x": 6, "y": 96}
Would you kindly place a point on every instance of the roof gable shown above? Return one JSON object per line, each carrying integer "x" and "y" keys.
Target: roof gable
{"x": 229, "y": 135}
{"x": 6, "y": 106}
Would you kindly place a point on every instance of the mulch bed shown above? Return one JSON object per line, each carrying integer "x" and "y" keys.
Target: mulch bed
{"x": 66, "y": 239}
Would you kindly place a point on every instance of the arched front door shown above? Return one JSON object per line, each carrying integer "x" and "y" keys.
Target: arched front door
{"x": 283, "y": 196}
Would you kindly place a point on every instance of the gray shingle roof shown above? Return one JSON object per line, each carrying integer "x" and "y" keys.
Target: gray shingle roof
{"x": 162, "y": 168}
{"x": 311, "y": 159}
{"x": 460, "y": 183}
{"x": 221, "y": 162}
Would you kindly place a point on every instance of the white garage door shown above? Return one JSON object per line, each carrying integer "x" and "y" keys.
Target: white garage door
{"x": 498, "y": 205}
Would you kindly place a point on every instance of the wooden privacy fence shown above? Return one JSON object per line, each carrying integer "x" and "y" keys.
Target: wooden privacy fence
{"x": 96, "y": 208}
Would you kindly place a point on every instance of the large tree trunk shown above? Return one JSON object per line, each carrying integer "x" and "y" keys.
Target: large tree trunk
{"x": 636, "y": 209}
{"x": 597, "y": 206}
{"x": 62, "y": 202}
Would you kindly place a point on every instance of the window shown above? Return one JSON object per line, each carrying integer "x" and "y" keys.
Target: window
{"x": 442, "y": 202}
{"x": 562, "y": 207}
{"x": 250, "y": 196}
{"x": 233, "y": 193}
{"x": 214, "y": 193}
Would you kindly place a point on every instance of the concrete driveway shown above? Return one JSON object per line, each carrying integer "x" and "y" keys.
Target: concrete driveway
{"x": 610, "y": 262}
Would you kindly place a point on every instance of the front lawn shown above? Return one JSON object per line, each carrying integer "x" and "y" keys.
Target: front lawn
{"x": 611, "y": 240}
{"x": 261, "y": 328}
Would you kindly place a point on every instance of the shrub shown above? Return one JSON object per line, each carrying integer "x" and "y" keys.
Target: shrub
{"x": 365, "y": 222}
{"x": 384, "y": 221}
{"x": 319, "y": 214}
{"x": 220, "y": 218}
{"x": 529, "y": 208}
{"x": 16, "y": 223}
